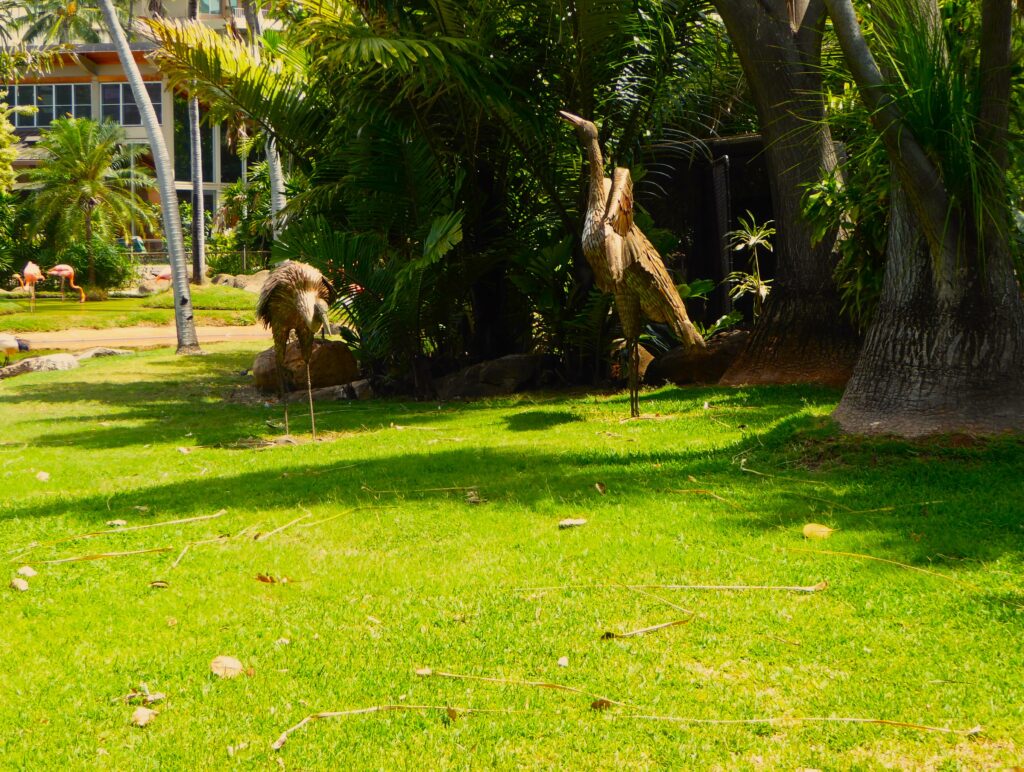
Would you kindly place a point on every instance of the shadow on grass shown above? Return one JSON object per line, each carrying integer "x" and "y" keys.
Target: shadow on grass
{"x": 539, "y": 420}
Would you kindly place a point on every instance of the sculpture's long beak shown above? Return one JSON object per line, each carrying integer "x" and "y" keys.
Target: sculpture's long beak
{"x": 575, "y": 120}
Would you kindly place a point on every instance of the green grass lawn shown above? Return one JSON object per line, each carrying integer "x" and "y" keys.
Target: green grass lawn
{"x": 404, "y": 573}
{"x": 213, "y": 305}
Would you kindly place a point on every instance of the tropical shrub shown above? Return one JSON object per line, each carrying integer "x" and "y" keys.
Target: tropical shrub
{"x": 115, "y": 267}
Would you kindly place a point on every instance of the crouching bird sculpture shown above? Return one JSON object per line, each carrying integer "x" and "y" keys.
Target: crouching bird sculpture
{"x": 295, "y": 297}
{"x": 11, "y": 345}
{"x": 624, "y": 262}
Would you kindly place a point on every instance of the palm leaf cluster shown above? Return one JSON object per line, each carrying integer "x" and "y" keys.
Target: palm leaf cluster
{"x": 429, "y": 174}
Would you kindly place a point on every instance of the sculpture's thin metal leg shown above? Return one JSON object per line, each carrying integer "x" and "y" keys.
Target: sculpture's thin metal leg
{"x": 280, "y": 389}
{"x": 634, "y": 378}
{"x": 309, "y": 393}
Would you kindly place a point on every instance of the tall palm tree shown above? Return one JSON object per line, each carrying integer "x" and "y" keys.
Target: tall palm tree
{"x": 198, "y": 210}
{"x": 89, "y": 182}
{"x": 61, "y": 21}
{"x": 184, "y": 322}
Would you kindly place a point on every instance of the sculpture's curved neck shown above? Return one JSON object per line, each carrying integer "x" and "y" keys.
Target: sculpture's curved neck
{"x": 596, "y": 174}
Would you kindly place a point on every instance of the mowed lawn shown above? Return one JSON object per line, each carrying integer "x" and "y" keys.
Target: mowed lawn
{"x": 425, "y": 532}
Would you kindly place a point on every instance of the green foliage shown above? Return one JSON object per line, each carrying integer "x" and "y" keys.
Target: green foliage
{"x": 90, "y": 183}
{"x": 8, "y": 154}
{"x": 114, "y": 266}
{"x": 208, "y": 297}
{"x": 750, "y": 237}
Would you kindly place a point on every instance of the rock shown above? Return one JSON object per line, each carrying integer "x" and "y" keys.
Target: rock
{"x": 150, "y": 287}
{"x": 253, "y": 283}
{"x": 361, "y": 389}
{"x": 620, "y": 362}
{"x": 332, "y": 364}
{"x": 102, "y": 351}
{"x": 682, "y": 366}
{"x": 326, "y": 394}
{"x": 223, "y": 279}
{"x": 44, "y": 364}
{"x": 506, "y": 375}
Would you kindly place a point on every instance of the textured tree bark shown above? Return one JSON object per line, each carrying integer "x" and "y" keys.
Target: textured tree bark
{"x": 198, "y": 210}
{"x": 801, "y": 337}
{"x": 184, "y": 323}
{"x": 945, "y": 352}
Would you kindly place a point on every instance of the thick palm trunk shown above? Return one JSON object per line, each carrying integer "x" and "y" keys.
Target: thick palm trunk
{"x": 945, "y": 351}
{"x": 801, "y": 336}
{"x": 275, "y": 170}
{"x": 198, "y": 210}
{"x": 188, "y": 343}
{"x": 90, "y": 259}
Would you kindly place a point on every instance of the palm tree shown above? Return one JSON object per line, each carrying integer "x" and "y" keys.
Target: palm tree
{"x": 188, "y": 343}
{"x": 198, "y": 210}
{"x": 89, "y": 182}
{"x": 61, "y": 21}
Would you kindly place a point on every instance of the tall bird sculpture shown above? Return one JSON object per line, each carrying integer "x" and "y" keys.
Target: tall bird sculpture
{"x": 624, "y": 262}
{"x": 295, "y": 297}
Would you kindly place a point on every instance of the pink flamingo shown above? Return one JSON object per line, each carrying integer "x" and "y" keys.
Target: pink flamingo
{"x": 32, "y": 274}
{"x": 164, "y": 275}
{"x": 66, "y": 272}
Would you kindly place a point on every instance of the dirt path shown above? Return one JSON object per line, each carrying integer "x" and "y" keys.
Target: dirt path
{"x": 136, "y": 337}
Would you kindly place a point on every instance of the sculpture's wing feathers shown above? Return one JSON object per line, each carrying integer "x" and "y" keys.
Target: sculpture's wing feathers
{"x": 619, "y": 211}
{"x": 648, "y": 278}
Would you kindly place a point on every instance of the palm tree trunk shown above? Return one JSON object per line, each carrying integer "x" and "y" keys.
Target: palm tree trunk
{"x": 91, "y": 261}
{"x": 184, "y": 322}
{"x": 274, "y": 168}
{"x": 198, "y": 210}
{"x": 801, "y": 336}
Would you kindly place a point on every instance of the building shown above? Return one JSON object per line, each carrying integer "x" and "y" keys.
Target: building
{"x": 90, "y": 83}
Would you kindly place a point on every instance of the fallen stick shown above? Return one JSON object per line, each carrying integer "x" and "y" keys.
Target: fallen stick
{"x": 884, "y": 560}
{"x": 803, "y": 720}
{"x": 104, "y": 555}
{"x": 426, "y": 672}
{"x": 93, "y": 534}
{"x": 450, "y": 711}
{"x": 677, "y": 607}
{"x": 645, "y": 630}
{"x": 703, "y": 587}
{"x": 705, "y": 492}
{"x": 265, "y": 536}
{"x": 342, "y": 514}
{"x": 453, "y": 712}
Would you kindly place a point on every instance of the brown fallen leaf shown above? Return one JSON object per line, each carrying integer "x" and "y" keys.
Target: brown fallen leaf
{"x": 226, "y": 667}
{"x": 43, "y": 476}
{"x": 817, "y": 531}
{"x": 159, "y": 584}
{"x": 563, "y": 662}
{"x": 423, "y": 671}
{"x": 19, "y": 584}
{"x": 601, "y": 488}
{"x": 117, "y": 523}
{"x": 452, "y": 714}
{"x": 27, "y": 571}
{"x": 572, "y": 522}
{"x": 184, "y": 451}
{"x": 172, "y": 622}
{"x": 142, "y": 716}
{"x": 473, "y": 497}
{"x": 140, "y": 508}
{"x": 282, "y": 642}
{"x": 266, "y": 579}
{"x": 601, "y": 704}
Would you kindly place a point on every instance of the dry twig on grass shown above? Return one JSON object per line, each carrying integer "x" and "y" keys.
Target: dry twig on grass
{"x": 265, "y": 536}
{"x": 702, "y": 587}
{"x": 706, "y": 492}
{"x": 105, "y": 555}
{"x": 427, "y": 672}
{"x": 645, "y": 630}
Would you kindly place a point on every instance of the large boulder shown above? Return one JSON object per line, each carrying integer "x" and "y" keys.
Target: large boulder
{"x": 683, "y": 366}
{"x": 47, "y": 363}
{"x": 102, "y": 351}
{"x": 331, "y": 364}
{"x": 251, "y": 283}
{"x": 506, "y": 375}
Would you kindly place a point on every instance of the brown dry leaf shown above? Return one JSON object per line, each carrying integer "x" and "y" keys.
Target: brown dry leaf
{"x": 452, "y": 714}
{"x": 424, "y": 671}
{"x": 601, "y": 488}
{"x": 226, "y": 667}
{"x": 142, "y": 716}
{"x": 43, "y": 476}
{"x": 601, "y": 704}
{"x": 117, "y": 523}
{"x": 140, "y": 508}
{"x": 159, "y": 584}
{"x": 572, "y": 522}
{"x": 184, "y": 451}
{"x": 26, "y": 571}
{"x": 19, "y": 584}
{"x": 155, "y": 697}
{"x": 473, "y": 497}
{"x": 817, "y": 531}
{"x": 266, "y": 579}
{"x": 282, "y": 642}
{"x": 171, "y": 622}
{"x": 563, "y": 662}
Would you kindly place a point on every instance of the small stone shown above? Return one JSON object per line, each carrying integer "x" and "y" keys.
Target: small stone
{"x": 19, "y": 584}
{"x": 572, "y": 522}
{"x": 27, "y": 571}
{"x": 563, "y": 662}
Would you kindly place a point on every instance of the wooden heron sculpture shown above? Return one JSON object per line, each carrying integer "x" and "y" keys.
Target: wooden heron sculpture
{"x": 624, "y": 262}
{"x": 295, "y": 297}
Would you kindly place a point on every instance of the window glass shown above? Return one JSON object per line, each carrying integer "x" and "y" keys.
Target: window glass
{"x": 44, "y": 101}
{"x": 157, "y": 98}
{"x": 130, "y": 114}
{"x": 209, "y": 6}
{"x": 182, "y": 159}
{"x": 230, "y": 164}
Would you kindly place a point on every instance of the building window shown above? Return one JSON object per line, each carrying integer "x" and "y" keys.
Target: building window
{"x": 51, "y": 101}
{"x": 118, "y": 103}
{"x": 210, "y": 6}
